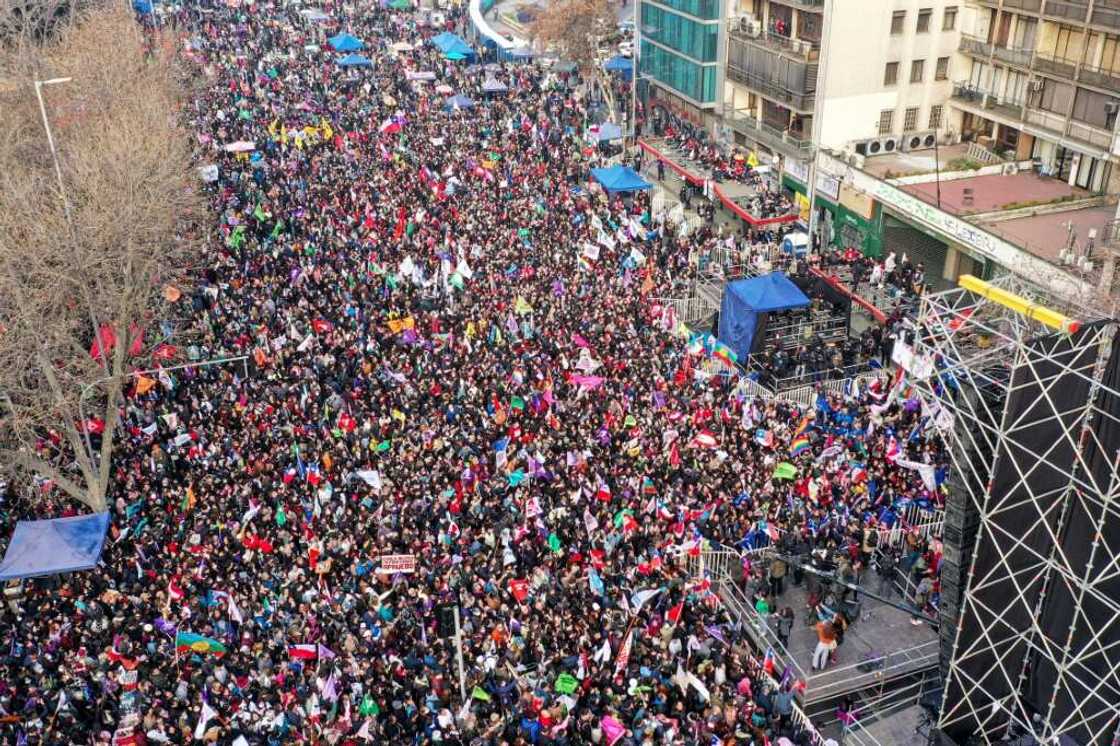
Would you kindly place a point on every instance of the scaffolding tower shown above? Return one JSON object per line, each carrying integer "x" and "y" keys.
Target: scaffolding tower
{"x": 1030, "y": 600}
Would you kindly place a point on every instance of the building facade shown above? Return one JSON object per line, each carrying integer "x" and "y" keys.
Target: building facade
{"x": 681, "y": 50}
{"x": 877, "y": 74}
{"x": 1040, "y": 79}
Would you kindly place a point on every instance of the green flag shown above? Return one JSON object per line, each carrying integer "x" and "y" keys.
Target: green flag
{"x": 517, "y": 403}
{"x": 785, "y": 470}
{"x": 480, "y": 694}
{"x": 281, "y": 518}
{"x": 384, "y": 446}
{"x": 456, "y": 281}
{"x": 369, "y": 707}
{"x": 554, "y": 542}
{"x": 566, "y": 683}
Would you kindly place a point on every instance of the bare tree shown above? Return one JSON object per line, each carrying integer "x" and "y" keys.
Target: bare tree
{"x": 83, "y": 265}
{"x": 576, "y": 28}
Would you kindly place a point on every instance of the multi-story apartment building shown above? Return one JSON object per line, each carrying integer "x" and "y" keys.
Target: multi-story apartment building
{"x": 868, "y": 68}
{"x": 680, "y": 53}
{"x": 1040, "y": 79}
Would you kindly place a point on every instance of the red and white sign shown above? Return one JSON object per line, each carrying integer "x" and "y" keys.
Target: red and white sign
{"x": 394, "y": 563}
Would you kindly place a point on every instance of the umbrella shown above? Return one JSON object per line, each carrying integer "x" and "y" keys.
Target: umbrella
{"x": 444, "y": 88}
{"x": 455, "y": 103}
{"x": 490, "y": 85}
{"x": 241, "y": 146}
{"x": 346, "y": 43}
{"x": 314, "y": 15}
{"x": 354, "y": 60}
{"x": 608, "y": 131}
{"x": 401, "y": 46}
{"x": 400, "y": 5}
{"x": 456, "y": 56}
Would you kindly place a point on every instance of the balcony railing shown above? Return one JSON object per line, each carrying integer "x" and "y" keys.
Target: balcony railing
{"x": 1071, "y": 11}
{"x": 1047, "y": 120}
{"x": 800, "y": 49}
{"x": 981, "y": 99}
{"x": 809, "y": 4}
{"x": 1012, "y": 56}
{"x": 1100, "y": 77}
{"x": 1030, "y": 6}
{"x": 787, "y": 142}
{"x": 975, "y": 46}
{"x": 1088, "y": 133}
{"x": 1106, "y": 15}
{"x": 1047, "y": 63}
{"x": 796, "y": 100}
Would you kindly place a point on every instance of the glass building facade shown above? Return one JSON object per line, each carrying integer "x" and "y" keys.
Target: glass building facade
{"x": 680, "y": 46}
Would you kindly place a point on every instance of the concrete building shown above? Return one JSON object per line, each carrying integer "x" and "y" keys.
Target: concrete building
{"x": 1040, "y": 80}
{"x": 876, "y": 72}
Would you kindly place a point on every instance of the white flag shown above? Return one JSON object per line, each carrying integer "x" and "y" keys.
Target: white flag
{"x": 371, "y": 477}
{"x": 234, "y": 612}
{"x": 603, "y": 654}
{"x": 207, "y": 714}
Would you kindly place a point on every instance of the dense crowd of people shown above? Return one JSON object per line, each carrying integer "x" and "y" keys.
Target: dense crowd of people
{"x": 461, "y": 392}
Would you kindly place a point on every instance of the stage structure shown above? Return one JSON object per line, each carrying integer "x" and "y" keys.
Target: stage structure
{"x": 1031, "y": 577}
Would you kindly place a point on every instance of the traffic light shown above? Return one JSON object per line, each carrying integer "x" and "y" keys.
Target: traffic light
{"x": 445, "y": 620}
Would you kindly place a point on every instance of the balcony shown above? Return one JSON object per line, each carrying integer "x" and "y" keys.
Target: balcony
{"x": 801, "y": 102}
{"x": 803, "y": 4}
{"x": 1088, "y": 133}
{"x": 986, "y": 104}
{"x": 1012, "y": 56}
{"x": 1100, "y": 77}
{"x": 1047, "y": 63}
{"x": 1028, "y": 6}
{"x": 797, "y": 49}
{"x": 1074, "y": 130}
{"x": 1066, "y": 10}
{"x": 975, "y": 46}
{"x": 787, "y": 142}
{"x": 1106, "y": 14}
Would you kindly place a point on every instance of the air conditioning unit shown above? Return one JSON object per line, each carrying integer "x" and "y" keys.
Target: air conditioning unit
{"x": 863, "y": 147}
{"x": 919, "y": 140}
{"x": 855, "y": 160}
{"x": 802, "y": 47}
{"x": 750, "y": 26}
{"x": 890, "y": 143}
{"x": 1010, "y": 169}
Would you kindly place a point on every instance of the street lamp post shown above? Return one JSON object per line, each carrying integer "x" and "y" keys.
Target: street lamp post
{"x": 50, "y": 137}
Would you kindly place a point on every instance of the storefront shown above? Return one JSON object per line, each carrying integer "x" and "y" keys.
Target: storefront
{"x": 847, "y": 218}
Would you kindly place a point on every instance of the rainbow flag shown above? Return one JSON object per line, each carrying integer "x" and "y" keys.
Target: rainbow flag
{"x": 799, "y": 445}
{"x": 647, "y": 486}
{"x": 725, "y": 353}
{"x": 189, "y": 642}
{"x": 803, "y": 427}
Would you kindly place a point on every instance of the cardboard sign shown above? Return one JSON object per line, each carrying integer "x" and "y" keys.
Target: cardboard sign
{"x": 394, "y": 563}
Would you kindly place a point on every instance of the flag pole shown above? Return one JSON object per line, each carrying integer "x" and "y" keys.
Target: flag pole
{"x": 459, "y": 656}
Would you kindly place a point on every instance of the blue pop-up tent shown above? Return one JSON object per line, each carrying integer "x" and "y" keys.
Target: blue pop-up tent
{"x": 54, "y": 546}
{"x": 745, "y": 306}
{"x": 453, "y": 46}
{"x": 457, "y": 102}
{"x": 354, "y": 60}
{"x": 346, "y": 43}
{"x": 619, "y": 178}
{"x": 608, "y": 131}
{"x": 619, "y": 64}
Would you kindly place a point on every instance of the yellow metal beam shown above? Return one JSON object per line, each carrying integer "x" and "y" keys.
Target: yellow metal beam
{"x": 1019, "y": 304}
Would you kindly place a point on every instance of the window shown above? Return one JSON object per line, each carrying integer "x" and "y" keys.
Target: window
{"x": 942, "y": 69}
{"x": 1095, "y": 108}
{"x": 886, "y": 121}
{"x": 917, "y": 70}
{"x": 897, "y": 22}
{"x": 890, "y": 77}
{"x": 910, "y": 123}
{"x": 935, "y": 116}
{"x": 1025, "y": 32}
{"x": 923, "y": 20}
{"x": 949, "y": 20}
{"x": 1055, "y": 97}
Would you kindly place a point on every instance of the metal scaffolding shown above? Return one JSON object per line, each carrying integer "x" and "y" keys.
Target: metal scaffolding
{"x": 968, "y": 358}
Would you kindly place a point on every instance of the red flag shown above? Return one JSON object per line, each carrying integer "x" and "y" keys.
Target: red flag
{"x": 346, "y": 422}
{"x": 520, "y": 589}
{"x": 674, "y": 456}
{"x": 107, "y": 340}
{"x": 674, "y": 613}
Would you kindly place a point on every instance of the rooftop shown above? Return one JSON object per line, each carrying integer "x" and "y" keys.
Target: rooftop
{"x": 984, "y": 194}
{"x": 1046, "y": 234}
{"x": 894, "y": 165}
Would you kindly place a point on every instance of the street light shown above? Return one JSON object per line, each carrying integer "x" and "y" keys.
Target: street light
{"x": 50, "y": 137}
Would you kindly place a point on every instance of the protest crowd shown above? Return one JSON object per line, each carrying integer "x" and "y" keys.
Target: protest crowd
{"x": 455, "y": 354}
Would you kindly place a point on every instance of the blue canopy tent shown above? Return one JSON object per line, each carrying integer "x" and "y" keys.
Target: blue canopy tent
{"x": 619, "y": 64}
{"x": 346, "y": 43}
{"x": 746, "y": 303}
{"x": 457, "y": 102}
{"x": 354, "y": 60}
{"x": 619, "y": 179}
{"x": 608, "y": 131}
{"x": 453, "y": 46}
{"x": 54, "y": 546}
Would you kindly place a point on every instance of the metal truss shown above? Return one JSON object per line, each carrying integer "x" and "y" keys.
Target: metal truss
{"x": 971, "y": 356}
